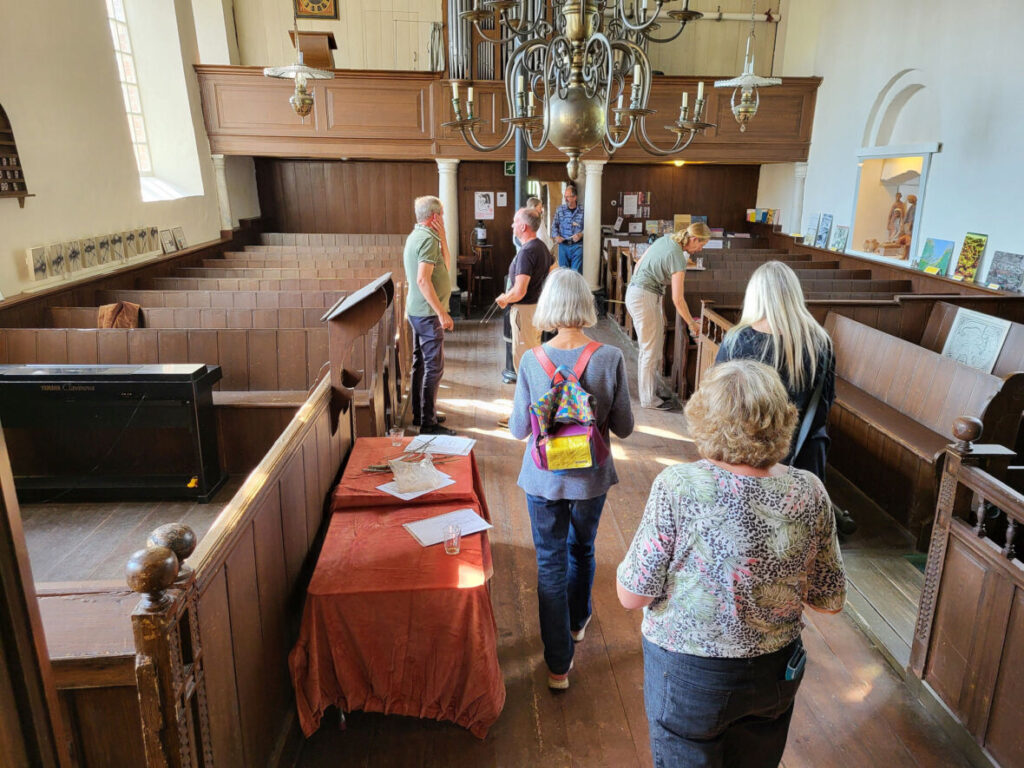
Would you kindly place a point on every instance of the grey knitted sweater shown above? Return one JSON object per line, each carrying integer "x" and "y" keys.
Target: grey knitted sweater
{"x": 605, "y": 379}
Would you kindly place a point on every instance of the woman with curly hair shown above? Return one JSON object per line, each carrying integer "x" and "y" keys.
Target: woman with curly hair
{"x": 729, "y": 550}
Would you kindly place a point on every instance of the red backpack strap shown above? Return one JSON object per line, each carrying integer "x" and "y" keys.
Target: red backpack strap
{"x": 584, "y": 358}
{"x": 545, "y": 362}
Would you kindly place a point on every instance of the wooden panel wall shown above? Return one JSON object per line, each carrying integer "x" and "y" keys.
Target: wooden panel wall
{"x": 337, "y": 196}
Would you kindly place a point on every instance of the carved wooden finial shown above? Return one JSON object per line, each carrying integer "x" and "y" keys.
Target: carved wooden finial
{"x": 178, "y": 538}
{"x": 966, "y": 430}
{"x": 151, "y": 571}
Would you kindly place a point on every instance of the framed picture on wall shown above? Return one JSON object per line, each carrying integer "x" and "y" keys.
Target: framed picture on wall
{"x": 316, "y": 9}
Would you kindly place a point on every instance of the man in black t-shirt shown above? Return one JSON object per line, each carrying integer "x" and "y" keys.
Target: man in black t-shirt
{"x": 526, "y": 277}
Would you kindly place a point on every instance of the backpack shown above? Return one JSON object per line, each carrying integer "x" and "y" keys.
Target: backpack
{"x": 565, "y": 430}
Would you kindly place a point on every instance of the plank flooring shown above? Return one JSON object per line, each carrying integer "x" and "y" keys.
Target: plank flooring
{"x": 852, "y": 710}
{"x": 79, "y": 541}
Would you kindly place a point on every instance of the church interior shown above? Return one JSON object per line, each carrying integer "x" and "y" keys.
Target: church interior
{"x": 209, "y": 369}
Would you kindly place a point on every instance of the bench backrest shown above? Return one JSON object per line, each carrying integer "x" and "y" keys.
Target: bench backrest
{"x": 931, "y": 389}
{"x": 263, "y": 284}
{"x": 312, "y": 270}
{"x": 223, "y": 299}
{"x": 197, "y": 317}
{"x": 310, "y": 238}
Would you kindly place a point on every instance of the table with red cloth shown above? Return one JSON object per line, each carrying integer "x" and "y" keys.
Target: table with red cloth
{"x": 391, "y": 626}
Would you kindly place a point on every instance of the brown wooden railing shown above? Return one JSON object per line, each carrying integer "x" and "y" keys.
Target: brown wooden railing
{"x": 970, "y": 623}
{"x": 713, "y": 328}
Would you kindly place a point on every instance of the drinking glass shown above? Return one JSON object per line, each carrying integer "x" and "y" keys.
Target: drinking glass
{"x": 396, "y": 434}
{"x": 452, "y": 538}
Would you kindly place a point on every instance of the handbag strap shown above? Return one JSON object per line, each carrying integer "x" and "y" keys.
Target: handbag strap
{"x": 578, "y": 369}
{"x": 812, "y": 407}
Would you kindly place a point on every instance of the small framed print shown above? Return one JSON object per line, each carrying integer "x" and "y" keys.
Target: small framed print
{"x": 128, "y": 238}
{"x": 55, "y": 264}
{"x": 103, "y": 249}
{"x": 37, "y": 263}
{"x": 167, "y": 241}
{"x": 142, "y": 244}
{"x": 72, "y": 256}
{"x": 154, "y": 239}
{"x": 316, "y": 9}
{"x": 116, "y": 247}
{"x": 179, "y": 238}
{"x": 89, "y": 258}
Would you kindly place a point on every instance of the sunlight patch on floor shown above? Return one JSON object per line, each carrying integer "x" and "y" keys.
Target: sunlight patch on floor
{"x": 501, "y": 432}
{"x": 667, "y": 462}
{"x": 499, "y": 406}
{"x": 663, "y": 433}
{"x": 619, "y": 453}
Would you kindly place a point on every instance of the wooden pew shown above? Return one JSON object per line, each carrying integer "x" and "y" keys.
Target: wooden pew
{"x": 288, "y": 262}
{"x": 890, "y": 421}
{"x": 314, "y": 270}
{"x": 197, "y": 317}
{"x": 264, "y": 284}
{"x": 223, "y": 299}
{"x": 305, "y": 238}
{"x": 969, "y": 622}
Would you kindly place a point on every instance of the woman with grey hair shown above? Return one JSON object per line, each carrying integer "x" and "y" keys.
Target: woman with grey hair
{"x": 729, "y": 550}
{"x": 565, "y": 506}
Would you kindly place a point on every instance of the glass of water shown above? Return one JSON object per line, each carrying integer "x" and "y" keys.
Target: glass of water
{"x": 396, "y": 434}
{"x": 452, "y": 538}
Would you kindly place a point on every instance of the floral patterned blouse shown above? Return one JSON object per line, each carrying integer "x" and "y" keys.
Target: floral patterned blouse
{"x": 730, "y": 560}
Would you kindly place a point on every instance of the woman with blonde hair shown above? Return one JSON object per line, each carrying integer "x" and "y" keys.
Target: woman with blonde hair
{"x": 565, "y": 506}
{"x": 729, "y": 550}
{"x": 664, "y": 264}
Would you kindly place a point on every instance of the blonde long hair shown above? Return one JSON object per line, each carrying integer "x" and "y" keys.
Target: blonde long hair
{"x": 774, "y": 294}
{"x": 698, "y": 230}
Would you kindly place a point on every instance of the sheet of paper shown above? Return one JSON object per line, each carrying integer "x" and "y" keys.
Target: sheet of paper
{"x": 392, "y": 488}
{"x": 431, "y": 530}
{"x": 629, "y": 205}
{"x": 451, "y": 445}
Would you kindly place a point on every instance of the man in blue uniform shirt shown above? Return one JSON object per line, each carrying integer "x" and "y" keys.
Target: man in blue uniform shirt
{"x": 567, "y": 231}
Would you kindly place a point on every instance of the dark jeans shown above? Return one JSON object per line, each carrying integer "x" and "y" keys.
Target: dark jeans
{"x": 563, "y": 535}
{"x": 726, "y": 713}
{"x": 571, "y": 255}
{"x": 427, "y": 368}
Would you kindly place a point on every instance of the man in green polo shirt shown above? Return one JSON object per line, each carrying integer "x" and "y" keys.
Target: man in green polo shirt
{"x": 427, "y": 265}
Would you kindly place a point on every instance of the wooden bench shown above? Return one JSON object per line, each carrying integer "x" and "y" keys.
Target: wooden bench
{"x": 223, "y": 299}
{"x": 197, "y": 317}
{"x": 894, "y": 407}
{"x": 305, "y": 238}
{"x": 314, "y": 270}
{"x": 262, "y": 284}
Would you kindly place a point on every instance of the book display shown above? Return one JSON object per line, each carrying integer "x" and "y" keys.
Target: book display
{"x": 12, "y": 175}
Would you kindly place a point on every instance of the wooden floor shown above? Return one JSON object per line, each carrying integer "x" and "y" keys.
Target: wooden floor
{"x": 852, "y": 710}
{"x": 80, "y": 541}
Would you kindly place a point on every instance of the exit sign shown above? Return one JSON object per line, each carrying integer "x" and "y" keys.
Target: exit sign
{"x": 510, "y": 167}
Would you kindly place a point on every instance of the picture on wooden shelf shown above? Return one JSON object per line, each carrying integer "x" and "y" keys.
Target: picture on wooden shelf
{"x": 839, "y": 237}
{"x": 976, "y": 339}
{"x": 55, "y": 262}
{"x": 72, "y": 256}
{"x": 811, "y": 228}
{"x": 316, "y": 9}
{"x": 970, "y": 255}
{"x": 824, "y": 229}
{"x": 37, "y": 262}
{"x": 1006, "y": 271}
{"x": 179, "y": 238}
{"x": 116, "y": 247}
{"x": 154, "y": 239}
{"x": 89, "y": 258}
{"x": 128, "y": 238}
{"x": 935, "y": 256}
{"x": 142, "y": 244}
{"x": 167, "y": 241}
{"x": 103, "y": 249}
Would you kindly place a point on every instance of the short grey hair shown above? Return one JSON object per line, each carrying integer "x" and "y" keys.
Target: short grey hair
{"x": 565, "y": 302}
{"x": 529, "y": 217}
{"x": 533, "y": 202}
{"x": 426, "y": 206}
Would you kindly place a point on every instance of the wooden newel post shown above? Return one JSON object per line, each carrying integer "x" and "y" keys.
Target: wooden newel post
{"x": 168, "y": 653}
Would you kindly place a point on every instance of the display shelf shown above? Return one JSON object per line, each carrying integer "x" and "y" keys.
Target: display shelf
{"x": 12, "y": 174}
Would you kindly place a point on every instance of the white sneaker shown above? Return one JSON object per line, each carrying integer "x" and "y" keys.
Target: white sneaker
{"x": 559, "y": 682}
{"x": 577, "y": 636}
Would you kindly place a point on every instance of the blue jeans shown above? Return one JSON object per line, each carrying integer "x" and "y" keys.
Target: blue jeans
{"x": 725, "y": 713}
{"x": 571, "y": 255}
{"x": 427, "y": 368}
{"x": 563, "y": 535}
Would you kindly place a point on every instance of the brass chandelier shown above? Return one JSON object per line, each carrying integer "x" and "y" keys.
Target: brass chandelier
{"x": 572, "y": 57}
{"x": 747, "y": 83}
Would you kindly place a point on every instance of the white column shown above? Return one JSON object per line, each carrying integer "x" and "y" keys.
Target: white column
{"x": 796, "y": 223}
{"x": 592, "y": 222}
{"x": 448, "y": 192}
{"x": 223, "y": 200}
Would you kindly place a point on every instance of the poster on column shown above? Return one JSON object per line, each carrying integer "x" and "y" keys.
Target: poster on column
{"x": 483, "y": 205}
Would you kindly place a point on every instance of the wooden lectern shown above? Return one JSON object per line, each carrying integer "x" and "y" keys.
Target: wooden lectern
{"x": 316, "y": 48}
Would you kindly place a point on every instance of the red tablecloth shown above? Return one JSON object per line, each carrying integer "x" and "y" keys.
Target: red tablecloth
{"x": 358, "y": 489}
{"x": 393, "y": 627}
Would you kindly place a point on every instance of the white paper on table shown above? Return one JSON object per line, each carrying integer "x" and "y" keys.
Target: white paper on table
{"x": 392, "y": 488}
{"x": 451, "y": 445}
{"x": 629, "y": 205}
{"x": 430, "y": 531}
{"x": 711, "y": 244}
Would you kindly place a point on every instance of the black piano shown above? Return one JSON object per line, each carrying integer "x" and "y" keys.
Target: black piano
{"x": 111, "y": 431}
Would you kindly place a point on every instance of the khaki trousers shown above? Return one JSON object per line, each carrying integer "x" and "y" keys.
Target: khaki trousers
{"x": 524, "y": 335}
{"x": 649, "y": 321}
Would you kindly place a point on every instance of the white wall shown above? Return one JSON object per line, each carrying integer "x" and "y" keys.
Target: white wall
{"x": 968, "y": 58}
{"x": 241, "y": 177}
